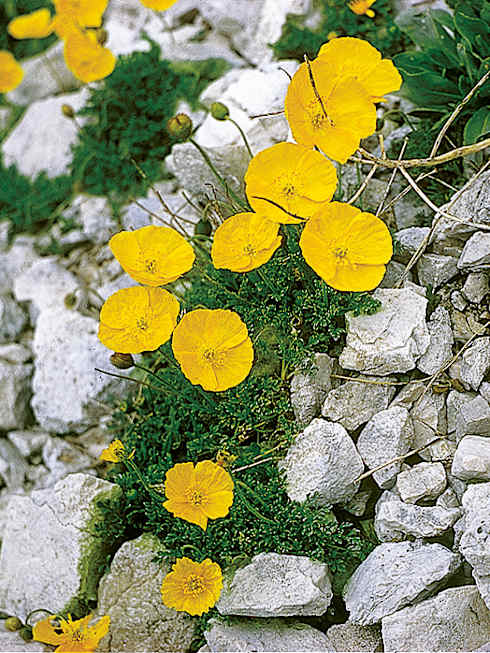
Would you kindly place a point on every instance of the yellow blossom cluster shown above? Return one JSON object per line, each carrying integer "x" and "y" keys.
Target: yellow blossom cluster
{"x": 76, "y": 22}
{"x": 330, "y": 106}
{"x": 71, "y": 636}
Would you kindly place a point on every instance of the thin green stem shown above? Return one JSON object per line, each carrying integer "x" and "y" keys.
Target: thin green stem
{"x": 242, "y": 134}
{"x": 211, "y": 166}
{"x": 131, "y": 465}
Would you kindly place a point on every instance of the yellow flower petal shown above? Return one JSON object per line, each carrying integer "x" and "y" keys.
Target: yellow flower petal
{"x": 334, "y": 118}
{"x": 192, "y": 587}
{"x": 153, "y": 255}
{"x": 87, "y": 60}
{"x": 351, "y": 57}
{"x": 198, "y": 493}
{"x": 114, "y": 452}
{"x": 11, "y": 73}
{"x": 84, "y": 13}
{"x": 213, "y": 348}
{"x": 244, "y": 241}
{"x": 138, "y": 319}
{"x": 44, "y": 631}
{"x": 158, "y": 5}
{"x": 290, "y": 176}
{"x": 36, "y": 25}
{"x": 346, "y": 247}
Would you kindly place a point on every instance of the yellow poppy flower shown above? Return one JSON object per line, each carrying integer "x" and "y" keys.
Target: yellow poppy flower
{"x": 159, "y": 5}
{"x": 335, "y": 117}
{"x": 292, "y": 177}
{"x": 71, "y": 636}
{"x": 351, "y": 57}
{"x": 36, "y": 25}
{"x": 153, "y": 255}
{"x": 116, "y": 452}
{"x": 138, "y": 319}
{"x": 213, "y": 348}
{"x": 245, "y": 241}
{"x": 346, "y": 247}
{"x": 192, "y": 587}
{"x": 11, "y": 73}
{"x": 361, "y": 7}
{"x": 198, "y": 493}
{"x": 71, "y": 15}
{"x": 88, "y": 60}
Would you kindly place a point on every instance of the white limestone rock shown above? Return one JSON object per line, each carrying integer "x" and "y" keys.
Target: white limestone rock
{"x": 12, "y": 319}
{"x": 369, "y": 395}
{"x": 50, "y": 555}
{"x": 13, "y": 643}
{"x": 435, "y": 269}
{"x": 409, "y": 240}
{"x": 429, "y": 419}
{"x": 265, "y": 635}
{"x": 395, "y": 520}
{"x": 15, "y": 392}
{"x": 476, "y": 253}
{"x": 13, "y": 467}
{"x": 274, "y": 585}
{"x": 396, "y": 575}
{"x": 130, "y": 594}
{"x": 28, "y": 443}
{"x": 455, "y": 402}
{"x": 62, "y": 458}
{"x": 387, "y": 435}
{"x": 422, "y": 481}
{"x": 46, "y": 284}
{"x": 353, "y": 637}
{"x": 472, "y": 204}
{"x": 16, "y": 260}
{"x": 456, "y": 619}
{"x": 41, "y": 141}
{"x": 441, "y": 342}
{"x": 66, "y": 387}
{"x": 475, "y": 287}
{"x": 45, "y": 75}
{"x": 472, "y": 459}
{"x": 474, "y": 542}
{"x": 15, "y": 353}
{"x": 391, "y": 340}
{"x": 473, "y": 418}
{"x": 322, "y": 463}
{"x": 308, "y": 389}
{"x": 94, "y": 215}
{"x": 475, "y": 362}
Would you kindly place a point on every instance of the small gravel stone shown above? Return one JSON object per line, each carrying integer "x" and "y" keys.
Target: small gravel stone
{"x": 475, "y": 287}
{"x": 476, "y": 253}
{"x": 422, "y": 481}
{"x": 472, "y": 459}
{"x": 441, "y": 342}
{"x": 434, "y": 269}
{"x": 475, "y": 362}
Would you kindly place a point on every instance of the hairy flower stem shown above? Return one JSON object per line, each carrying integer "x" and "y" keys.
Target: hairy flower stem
{"x": 211, "y": 166}
{"x": 242, "y": 134}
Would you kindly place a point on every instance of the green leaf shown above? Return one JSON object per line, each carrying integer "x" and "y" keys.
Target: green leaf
{"x": 474, "y": 31}
{"x": 477, "y": 126}
{"x": 426, "y": 31}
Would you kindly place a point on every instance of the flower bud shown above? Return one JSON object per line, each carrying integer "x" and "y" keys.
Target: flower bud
{"x": 180, "y": 127}
{"x": 122, "y": 361}
{"x": 220, "y": 111}
{"x": 68, "y": 111}
{"x": 26, "y": 633}
{"x": 13, "y": 623}
{"x": 102, "y": 36}
{"x": 202, "y": 228}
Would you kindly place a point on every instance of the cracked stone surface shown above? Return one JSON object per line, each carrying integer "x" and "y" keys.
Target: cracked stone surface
{"x": 49, "y": 556}
{"x": 390, "y": 340}
{"x": 275, "y": 585}
{"x": 456, "y": 619}
{"x": 385, "y": 582}
{"x": 308, "y": 390}
{"x": 130, "y": 594}
{"x": 322, "y": 463}
{"x": 422, "y": 481}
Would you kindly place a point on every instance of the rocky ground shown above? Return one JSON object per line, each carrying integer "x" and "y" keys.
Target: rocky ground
{"x": 424, "y": 445}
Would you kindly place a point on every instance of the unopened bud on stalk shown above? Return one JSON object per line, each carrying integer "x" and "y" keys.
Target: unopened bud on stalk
{"x": 203, "y": 228}
{"x": 102, "y": 36}
{"x": 180, "y": 127}
{"x": 68, "y": 111}
{"x": 13, "y": 623}
{"x": 122, "y": 361}
{"x": 26, "y": 633}
{"x": 220, "y": 111}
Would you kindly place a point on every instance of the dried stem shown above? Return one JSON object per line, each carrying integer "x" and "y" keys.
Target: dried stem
{"x": 391, "y": 179}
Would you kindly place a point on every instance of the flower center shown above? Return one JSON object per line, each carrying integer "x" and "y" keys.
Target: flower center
{"x": 151, "y": 265}
{"x": 319, "y": 118}
{"x": 340, "y": 252}
{"x": 194, "y": 585}
{"x": 213, "y": 357}
{"x": 248, "y": 249}
{"x": 289, "y": 190}
{"x": 142, "y": 324}
{"x": 195, "y": 497}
